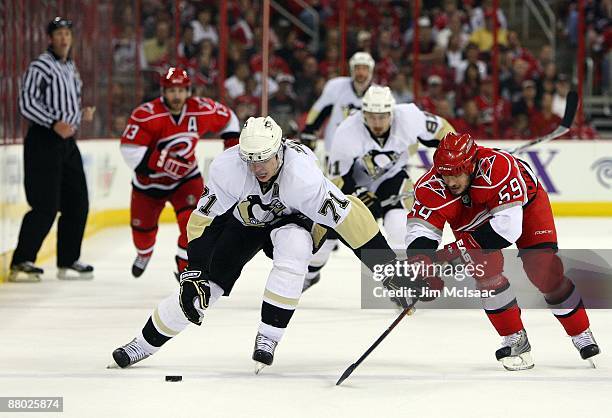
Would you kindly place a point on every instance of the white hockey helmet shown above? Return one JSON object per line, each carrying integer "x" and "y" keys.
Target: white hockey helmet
{"x": 361, "y": 58}
{"x": 260, "y": 139}
{"x": 378, "y": 99}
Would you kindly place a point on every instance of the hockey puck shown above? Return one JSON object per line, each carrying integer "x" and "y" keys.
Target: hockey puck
{"x": 174, "y": 378}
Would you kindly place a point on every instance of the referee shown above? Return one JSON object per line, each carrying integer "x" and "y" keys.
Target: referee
{"x": 50, "y": 100}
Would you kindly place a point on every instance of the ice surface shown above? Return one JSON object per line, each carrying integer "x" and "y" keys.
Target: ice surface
{"x": 57, "y": 337}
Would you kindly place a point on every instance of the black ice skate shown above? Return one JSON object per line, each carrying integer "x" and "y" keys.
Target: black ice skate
{"x": 586, "y": 345}
{"x": 310, "y": 282}
{"x": 515, "y": 353}
{"x": 77, "y": 271}
{"x": 25, "y": 272}
{"x": 129, "y": 354}
{"x": 140, "y": 264}
{"x": 264, "y": 352}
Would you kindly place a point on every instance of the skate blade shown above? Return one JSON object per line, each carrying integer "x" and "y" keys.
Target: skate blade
{"x": 592, "y": 363}
{"x": 20, "y": 277}
{"x": 113, "y": 365}
{"x": 523, "y": 361}
{"x": 80, "y": 276}
{"x": 259, "y": 367}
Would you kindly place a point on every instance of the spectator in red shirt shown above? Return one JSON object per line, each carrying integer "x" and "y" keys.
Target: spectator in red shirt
{"x": 470, "y": 123}
{"x": 484, "y": 101}
{"x": 546, "y": 121}
{"x": 434, "y": 93}
{"x": 470, "y": 87}
{"x": 519, "y": 52}
{"x": 330, "y": 63}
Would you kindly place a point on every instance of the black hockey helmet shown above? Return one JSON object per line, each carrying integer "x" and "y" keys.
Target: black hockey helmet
{"x": 58, "y": 23}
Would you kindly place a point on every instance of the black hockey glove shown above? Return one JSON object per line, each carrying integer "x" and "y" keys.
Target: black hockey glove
{"x": 310, "y": 140}
{"x": 371, "y": 201}
{"x": 193, "y": 287}
{"x": 406, "y": 288}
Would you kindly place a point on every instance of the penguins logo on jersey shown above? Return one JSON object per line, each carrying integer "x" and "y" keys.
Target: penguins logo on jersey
{"x": 349, "y": 109}
{"x": 377, "y": 163}
{"x": 256, "y": 213}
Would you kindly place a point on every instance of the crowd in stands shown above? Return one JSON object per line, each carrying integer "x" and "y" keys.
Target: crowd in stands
{"x": 454, "y": 62}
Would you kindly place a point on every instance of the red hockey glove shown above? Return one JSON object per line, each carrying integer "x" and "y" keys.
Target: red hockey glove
{"x": 425, "y": 277}
{"x": 174, "y": 165}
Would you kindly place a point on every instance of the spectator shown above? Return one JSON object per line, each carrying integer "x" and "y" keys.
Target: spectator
{"x": 471, "y": 58}
{"x": 234, "y": 85}
{"x": 513, "y": 88}
{"x": 454, "y": 54}
{"x": 479, "y": 14}
{"x": 330, "y": 63}
{"x": 483, "y": 37}
{"x": 242, "y": 30}
{"x": 282, "y": 105}
{"x": 502, "y": 113}
{"x": 248, "y": 104}
{"x": 305, "y": 85}
{"x": 519, "y": 129}
{"x": 455, "y": 27}
{"x": 433, "y": 95}
{"x": 470, "y": 88}
{"x": 364, "y": 41}
{"x": 470, "y": 123}
{"x": 527, "y": 104}
{"x": 203, "y": 28}
{"x": 187, "y": 48}
{"x": 519, "y": 52}
{"x": 562, "y": 87}
{"x": 156, "y": 49}
{"x": 401, "y": 89}
{"x": 546, "y": 121}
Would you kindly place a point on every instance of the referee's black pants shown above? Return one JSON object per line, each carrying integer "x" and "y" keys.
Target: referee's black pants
{"x": 54, "y": 181}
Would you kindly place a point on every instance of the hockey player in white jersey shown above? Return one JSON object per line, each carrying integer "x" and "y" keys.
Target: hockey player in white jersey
{"x": 266, "y": 193}
{"x": 340, "y": 97}
{"x": 369, "y": 159}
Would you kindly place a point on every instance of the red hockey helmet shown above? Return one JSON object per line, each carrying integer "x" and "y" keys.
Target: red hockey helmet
{"x": 456, "y": 154}
{"x": 175, "y": 77}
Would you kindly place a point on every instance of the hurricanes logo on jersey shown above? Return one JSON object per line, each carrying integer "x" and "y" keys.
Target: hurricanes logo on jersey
{"x": 485, "y": 165}
{"x": 377, "y": 163}
{"x": 435, "y": 185}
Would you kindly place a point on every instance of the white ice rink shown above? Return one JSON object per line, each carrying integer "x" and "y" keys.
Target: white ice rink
{"x": 57, "y": 337}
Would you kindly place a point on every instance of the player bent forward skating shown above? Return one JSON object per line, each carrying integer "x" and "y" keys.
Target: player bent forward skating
{"x": 263, "y": 194}
{"x": 492, "y": 200}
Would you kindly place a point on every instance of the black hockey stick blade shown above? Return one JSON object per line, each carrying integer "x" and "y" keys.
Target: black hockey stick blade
{"x": 346, "y": 374}
{"x": 571, "y": 106}
{"x": 353, "y": 366}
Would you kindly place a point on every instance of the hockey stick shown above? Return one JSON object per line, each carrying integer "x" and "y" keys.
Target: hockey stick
{"x": 571, "y": 106}
{"x": 390, "y": 201}
{"x": 353, "y": 366}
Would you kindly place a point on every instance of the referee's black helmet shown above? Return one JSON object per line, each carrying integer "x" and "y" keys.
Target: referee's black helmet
{"x": 58, "y": 23}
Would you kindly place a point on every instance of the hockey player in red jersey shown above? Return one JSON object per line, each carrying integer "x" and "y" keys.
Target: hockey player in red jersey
{"x": 492, "y": 200}
{"x": 159, "y": 143}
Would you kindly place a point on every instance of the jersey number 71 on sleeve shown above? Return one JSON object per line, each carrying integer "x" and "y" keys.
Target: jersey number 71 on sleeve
{"x": 330, "y": 203}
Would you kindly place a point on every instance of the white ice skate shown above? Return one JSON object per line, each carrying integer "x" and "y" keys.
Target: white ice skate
{"x": 587, "y": 346}
{"x": 515, "y": 352}
{"x": 264, "y": 352}
{"x": 140, "y": 264}
{"x": 128, "y": 354}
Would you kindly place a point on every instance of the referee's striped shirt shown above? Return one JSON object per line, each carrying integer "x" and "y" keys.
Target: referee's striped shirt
{"x": 51, "y": 91}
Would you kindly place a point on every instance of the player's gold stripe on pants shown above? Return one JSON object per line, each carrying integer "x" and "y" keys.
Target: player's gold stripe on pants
{"x": 280, "y": 299}
{"x": 161, "y": 326}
